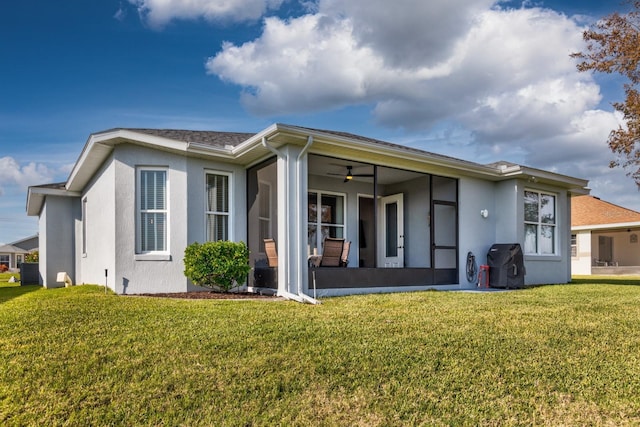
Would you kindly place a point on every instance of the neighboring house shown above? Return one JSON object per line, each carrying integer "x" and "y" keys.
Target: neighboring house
{"x": 604, "y": 237}
{"x": 137, "y": 197}
{"x": 12, "y": 254}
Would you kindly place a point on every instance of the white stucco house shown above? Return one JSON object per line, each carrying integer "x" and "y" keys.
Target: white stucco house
{"x": 137, "y": 197}
{"x": 604, "y": 237}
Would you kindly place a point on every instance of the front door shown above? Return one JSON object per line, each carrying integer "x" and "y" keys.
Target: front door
{"x": 391, "y": 232}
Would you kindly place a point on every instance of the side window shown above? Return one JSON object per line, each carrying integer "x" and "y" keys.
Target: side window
{"x": 218, "y": 207}
{"x": 152, "y": 210}
{"x": 539, "y": 223}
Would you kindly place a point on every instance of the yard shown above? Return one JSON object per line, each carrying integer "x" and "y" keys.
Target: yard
{"x": 553, "y": 355}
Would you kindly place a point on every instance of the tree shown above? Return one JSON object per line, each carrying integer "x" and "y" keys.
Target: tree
{"x": 219, "y": 265}
{"x": 613, "y": 46}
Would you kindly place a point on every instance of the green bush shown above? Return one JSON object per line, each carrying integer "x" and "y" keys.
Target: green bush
{"x": 32, "y": 257}
{"x": 218, "y": 265}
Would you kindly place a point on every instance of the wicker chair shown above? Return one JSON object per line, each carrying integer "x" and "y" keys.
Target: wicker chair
{"x": 335, "y": 252}
{"x": 272, "y": 253}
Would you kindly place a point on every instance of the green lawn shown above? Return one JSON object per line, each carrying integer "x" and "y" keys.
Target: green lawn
{"x": 552, "y": 355}
{"x": 5, "y": 277}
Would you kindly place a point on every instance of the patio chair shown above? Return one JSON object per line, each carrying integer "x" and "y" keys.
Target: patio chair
{"x": 332, "y": 252}
{"x": 272, "y": 253}
{"x": 344, "y": 257}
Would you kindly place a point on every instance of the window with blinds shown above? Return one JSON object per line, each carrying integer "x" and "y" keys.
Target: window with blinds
{"x": 218, "y": 207}
{"x": 152, "y": 210}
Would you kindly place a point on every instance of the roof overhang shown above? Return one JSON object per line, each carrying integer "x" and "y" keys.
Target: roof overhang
{"x": 408, "y": 158}
{"x": 616, "y": 226}
{"x": 99, "y": 147}
{"x": 37, "y": 194}
{"x": 577, "y": 186}
{"x": 10, "y": 249}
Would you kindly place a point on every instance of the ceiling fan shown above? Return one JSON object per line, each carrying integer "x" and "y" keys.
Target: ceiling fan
{"x": 349, "y": 176}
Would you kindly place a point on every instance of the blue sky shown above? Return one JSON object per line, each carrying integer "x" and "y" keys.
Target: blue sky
{"x": 476, "y": 79}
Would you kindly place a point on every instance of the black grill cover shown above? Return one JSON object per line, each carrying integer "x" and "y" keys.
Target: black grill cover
{"x": 506, "y": 266}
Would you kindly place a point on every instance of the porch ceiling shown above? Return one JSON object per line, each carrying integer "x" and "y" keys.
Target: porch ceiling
{"x": 337, "y": 168}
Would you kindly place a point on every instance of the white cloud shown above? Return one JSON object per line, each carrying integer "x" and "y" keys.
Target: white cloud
{"x": 19, "y": 177}
{"x": 502, "y": 76}
{"x": 158, "y": 13}
{"x": 417, "y": 62}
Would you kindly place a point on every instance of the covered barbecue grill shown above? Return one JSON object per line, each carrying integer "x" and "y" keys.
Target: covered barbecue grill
{"x": 506, "y": 266}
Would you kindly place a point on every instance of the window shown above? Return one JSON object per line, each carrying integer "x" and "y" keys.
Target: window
{"x": 4, "y": 260}
{"x": 325, "y": 218}
{"x": 574, "y": 245}
{"x": 152, "y": 210}
{"x": 18, "y": 260}
{"x": 218, "y": 207}
{"x": 539, "y": 223}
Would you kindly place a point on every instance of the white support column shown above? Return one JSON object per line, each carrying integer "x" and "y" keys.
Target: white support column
{"x": 292, "y": 220}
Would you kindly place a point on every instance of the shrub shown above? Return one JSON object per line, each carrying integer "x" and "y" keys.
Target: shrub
{"x": 32, "y": 256}
{"x": 217, "y": 265}
{"x": 3, "y": 268}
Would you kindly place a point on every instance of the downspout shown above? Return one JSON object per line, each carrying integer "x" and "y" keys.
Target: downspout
{"x": 300, "y": 297}
{"x": 304, "y": 296}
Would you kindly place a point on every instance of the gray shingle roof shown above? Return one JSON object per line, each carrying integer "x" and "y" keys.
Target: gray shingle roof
{"x": 212, "y": 138}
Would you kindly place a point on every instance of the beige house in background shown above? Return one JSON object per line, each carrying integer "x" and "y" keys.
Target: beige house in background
{"x": 604, "y": 237}
{"x": 12, "y": 254}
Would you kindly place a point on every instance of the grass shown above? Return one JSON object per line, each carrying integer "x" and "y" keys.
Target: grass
{"x": 5, "y": 277}
{"x": 552, "y": 355}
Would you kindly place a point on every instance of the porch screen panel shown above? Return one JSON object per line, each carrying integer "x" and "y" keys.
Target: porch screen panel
{"x": 445, "y": 189}
{"x": 264, "y": 213}
{"x": 153, "y": 210}
{"x": 217, "y": 207}
{"x": 446, "y": 258}
{"x": 445, "y": 233}
{"x": 326, "y": 218}
{"x": 262, "y": 219}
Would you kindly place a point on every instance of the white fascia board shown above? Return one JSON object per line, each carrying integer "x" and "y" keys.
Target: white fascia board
{"x": 255, "y": 140}
{"x": 578, "y": 185}
{"x": 207, "y": 150}
{"x": 100, "y": 145}
{"x": 621, "y": 225}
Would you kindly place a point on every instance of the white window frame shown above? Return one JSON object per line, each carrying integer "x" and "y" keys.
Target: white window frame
{"x": 139, "y": 212}
{"x": 574, "y": 245}
{"x": 230, "y": 210}
{"x": 539, "y": 224}
{"x": 319, "y": 224}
